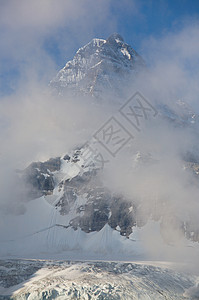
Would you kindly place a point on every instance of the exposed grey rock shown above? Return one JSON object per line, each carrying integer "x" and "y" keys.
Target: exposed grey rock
{"x": 66, "y": 157}
{"x": 101, "y": 208}
{"x": 39, "y": 177}
{"x": 121, "y": 215}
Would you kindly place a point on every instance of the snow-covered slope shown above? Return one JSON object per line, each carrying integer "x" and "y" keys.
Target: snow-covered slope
{"x": 77, "y": 217}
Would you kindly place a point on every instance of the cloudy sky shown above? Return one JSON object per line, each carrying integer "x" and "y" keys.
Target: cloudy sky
{"x": 38, "y": 37}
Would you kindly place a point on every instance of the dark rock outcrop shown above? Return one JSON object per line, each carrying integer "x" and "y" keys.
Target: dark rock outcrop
{"x": 39, "y": 177}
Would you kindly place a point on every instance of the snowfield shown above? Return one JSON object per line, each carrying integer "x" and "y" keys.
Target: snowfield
{"x": 47, "y": 236}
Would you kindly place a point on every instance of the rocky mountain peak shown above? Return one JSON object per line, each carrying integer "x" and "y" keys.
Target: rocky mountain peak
{"x": 115, "y": 37}
{"x": 99, "y": 67}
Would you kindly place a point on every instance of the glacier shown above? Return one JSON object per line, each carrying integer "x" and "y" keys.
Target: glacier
{"x": 92, "y": 280}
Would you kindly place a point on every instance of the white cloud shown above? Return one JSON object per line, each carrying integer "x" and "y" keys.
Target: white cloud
{"x": 175, "y": 63}
{"x": 37, "y": 125}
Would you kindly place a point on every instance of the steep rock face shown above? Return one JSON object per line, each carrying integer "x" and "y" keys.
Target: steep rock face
{"x": 95, "y": 205}
{"x": 98, "y": 67}
{"x": 80, "y": 196}
{"x": 38, "y": 177}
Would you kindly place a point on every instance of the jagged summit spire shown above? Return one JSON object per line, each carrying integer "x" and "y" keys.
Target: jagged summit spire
{"x": 115, "y": 36}
{"x": 100, "y": 67}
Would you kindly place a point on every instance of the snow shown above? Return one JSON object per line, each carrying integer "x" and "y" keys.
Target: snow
{"x": 49, "y": 238}
{"x": 69, "y": 170}
{"x": 96, "y": 280}
{"x": 118, "y": 41}
{"x": 78, "y": 75}
{"x": 43, "y": 233}
{"x": 126, "y": 53}
{"x": 46, "y": 236}
{"x": 118, "y": 228}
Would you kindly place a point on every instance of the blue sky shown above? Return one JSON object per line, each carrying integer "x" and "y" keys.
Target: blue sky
{"x": 44, "y": 35}
{"x": 156, "y": 18}
{"x": 148, "y": 18}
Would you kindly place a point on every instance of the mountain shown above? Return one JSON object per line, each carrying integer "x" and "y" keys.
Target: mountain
{"x": 71, "y": 213}
{"x": 106, "y": 69}
{"x": 99, "y": 67}
{"x": 68, "y": 213}
{"x": 68, "y": 207}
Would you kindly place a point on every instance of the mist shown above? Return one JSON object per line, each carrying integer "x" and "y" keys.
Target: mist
{"x": 160, "y": 185}
{"x": 36, "y": 124}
